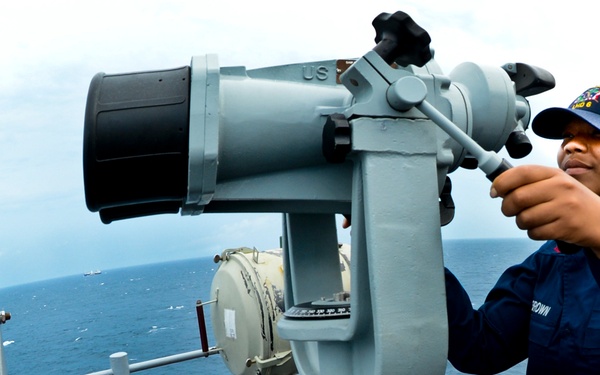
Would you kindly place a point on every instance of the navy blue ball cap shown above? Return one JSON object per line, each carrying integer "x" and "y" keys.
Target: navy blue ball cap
{"x": 551, "y": 122}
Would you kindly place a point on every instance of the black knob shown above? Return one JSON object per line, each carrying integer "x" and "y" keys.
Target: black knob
{"x": 518, "y": 144}
{"x": 399, "y": 39}
{"x": 336, "y": 138}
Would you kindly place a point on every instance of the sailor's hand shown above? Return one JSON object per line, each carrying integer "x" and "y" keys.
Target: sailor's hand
{"x": 550, "y": 204}
{"x": 347, "y": 221}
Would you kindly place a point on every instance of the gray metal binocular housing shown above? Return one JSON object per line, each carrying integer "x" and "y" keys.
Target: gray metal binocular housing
{"x": 311, "y": 140}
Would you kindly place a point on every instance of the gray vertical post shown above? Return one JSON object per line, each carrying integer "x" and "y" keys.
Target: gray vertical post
{"x": 119, "y": 364}
{"x": 398, "y": 292}
{"x": 402, "y": 233}
{"x": 2, "y": 363}
{"x": 4, "y": 316}
{"x": 313, "y": 272}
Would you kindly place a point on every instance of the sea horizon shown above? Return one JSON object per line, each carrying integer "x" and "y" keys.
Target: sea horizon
{"x": 143, "y": 264}
{"x": 71, "y": 324}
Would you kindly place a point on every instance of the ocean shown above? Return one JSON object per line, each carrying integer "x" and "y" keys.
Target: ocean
{"x": 72, "y": 325}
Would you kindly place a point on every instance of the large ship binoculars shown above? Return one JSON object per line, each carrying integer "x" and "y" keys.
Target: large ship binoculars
{"x": 188, "y": 139}
{"x": 373, "y": 137}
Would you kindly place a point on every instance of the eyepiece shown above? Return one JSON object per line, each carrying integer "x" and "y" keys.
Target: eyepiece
{"x": 136, "y": 141}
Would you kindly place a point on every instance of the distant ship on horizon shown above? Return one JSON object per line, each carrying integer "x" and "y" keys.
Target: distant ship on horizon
{"x": 92, "y": 273}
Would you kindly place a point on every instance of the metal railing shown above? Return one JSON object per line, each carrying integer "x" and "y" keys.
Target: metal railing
{"x": 119, "y": 363}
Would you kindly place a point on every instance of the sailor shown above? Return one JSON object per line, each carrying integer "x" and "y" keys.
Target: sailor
{"x": 546, "y": 309}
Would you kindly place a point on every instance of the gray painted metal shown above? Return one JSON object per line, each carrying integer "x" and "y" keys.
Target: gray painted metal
{"x": 267, "y": 143}
{"x": 397, "y": 300}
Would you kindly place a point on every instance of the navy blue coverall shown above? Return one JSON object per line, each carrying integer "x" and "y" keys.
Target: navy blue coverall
{"x": 546, "y": 309}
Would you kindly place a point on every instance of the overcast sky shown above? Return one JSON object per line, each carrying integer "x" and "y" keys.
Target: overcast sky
{"x": 51, "y": 50}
